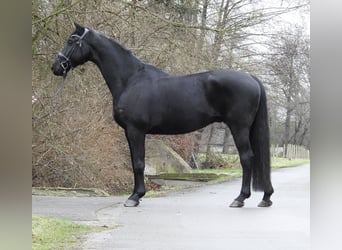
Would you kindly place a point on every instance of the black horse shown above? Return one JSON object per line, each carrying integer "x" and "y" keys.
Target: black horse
{"x": 146, "y": 100}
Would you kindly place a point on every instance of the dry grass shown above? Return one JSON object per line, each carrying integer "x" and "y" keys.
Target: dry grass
{"x": 80, "y": 145}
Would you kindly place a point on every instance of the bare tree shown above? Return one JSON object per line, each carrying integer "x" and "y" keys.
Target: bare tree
{"x": 289, "y": 64}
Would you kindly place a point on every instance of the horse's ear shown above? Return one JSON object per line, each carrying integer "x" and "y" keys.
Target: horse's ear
{"x": 78, "y": 27}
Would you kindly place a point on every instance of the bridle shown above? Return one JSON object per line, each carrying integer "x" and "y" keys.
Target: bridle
{"x": 66, "y": 63}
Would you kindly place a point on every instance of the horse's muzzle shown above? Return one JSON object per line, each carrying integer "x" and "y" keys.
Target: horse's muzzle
{"x": 57, "y": 68}
{"x": 60, "y": 68}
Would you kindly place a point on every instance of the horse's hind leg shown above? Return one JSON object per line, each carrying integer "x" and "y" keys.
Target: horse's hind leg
{"x": 266, "y": 200}
{"x": 241, "y": 138}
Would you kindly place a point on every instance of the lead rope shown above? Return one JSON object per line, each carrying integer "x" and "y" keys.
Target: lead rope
{"x": 58, "y": 98}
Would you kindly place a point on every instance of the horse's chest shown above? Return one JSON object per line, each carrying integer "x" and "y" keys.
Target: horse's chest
{"x": 126, "y": 115}
{"x": 119, "y": 116}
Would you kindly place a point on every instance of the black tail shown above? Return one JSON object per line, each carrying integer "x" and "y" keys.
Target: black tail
{"x": 260, "y": 142}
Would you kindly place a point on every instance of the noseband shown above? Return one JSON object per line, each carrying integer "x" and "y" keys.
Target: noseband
{"x": 66, "y": 63}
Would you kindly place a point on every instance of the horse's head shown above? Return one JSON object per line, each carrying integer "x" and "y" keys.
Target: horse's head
{"x": 75, "y": 52}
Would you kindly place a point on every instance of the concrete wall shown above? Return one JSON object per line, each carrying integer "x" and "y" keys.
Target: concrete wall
{"x": 160, "y": 158}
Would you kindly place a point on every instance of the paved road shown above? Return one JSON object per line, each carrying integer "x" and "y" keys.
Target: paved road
{"x": 197, "y": 218}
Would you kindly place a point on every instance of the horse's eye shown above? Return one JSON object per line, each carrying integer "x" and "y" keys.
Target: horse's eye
{"x": 69, "y": 41}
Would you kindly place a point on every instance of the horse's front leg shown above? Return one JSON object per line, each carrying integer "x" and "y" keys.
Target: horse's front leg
{"x": 136, "y": 142}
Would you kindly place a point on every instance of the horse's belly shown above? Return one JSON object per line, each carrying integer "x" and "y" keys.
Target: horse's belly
{"x": 181, "y": 124}
{"x": 168, "y": 130}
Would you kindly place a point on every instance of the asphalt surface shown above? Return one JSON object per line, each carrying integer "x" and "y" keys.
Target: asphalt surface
{"x": 198, "y": 218}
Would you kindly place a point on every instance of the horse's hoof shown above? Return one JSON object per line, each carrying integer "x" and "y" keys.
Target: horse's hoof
{"x": 131, "y": 203}
{"x": 237, "y": 203}
{"x": 264, "y": 203}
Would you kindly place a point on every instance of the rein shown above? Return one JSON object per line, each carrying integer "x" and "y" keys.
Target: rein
{"x": 55, "y": 104}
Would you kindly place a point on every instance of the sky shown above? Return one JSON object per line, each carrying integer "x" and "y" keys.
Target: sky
{"x": 296, "y": 17}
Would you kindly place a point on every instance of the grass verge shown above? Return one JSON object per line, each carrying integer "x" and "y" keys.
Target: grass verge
{"x": 51, "y": 233}
{"x": 276, "y": 162}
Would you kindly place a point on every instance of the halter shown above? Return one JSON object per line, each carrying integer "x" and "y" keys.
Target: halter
{"x": 66, "y": 63}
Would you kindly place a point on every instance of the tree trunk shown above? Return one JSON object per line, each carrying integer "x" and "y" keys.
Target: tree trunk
{"x": 211, "y": 132}
{"x": 203, "y": 24}
{"x": 218, "y": 40}
{"x": 226, "y": 141}
{"x": 132, "y": 13}
{"x": 287, "y": 125}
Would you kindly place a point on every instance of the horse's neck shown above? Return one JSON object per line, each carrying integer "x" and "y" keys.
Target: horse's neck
{"x": 116, "y": 65}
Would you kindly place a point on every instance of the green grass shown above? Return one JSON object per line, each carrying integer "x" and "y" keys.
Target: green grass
{"x": 51, "y": 233}
{"x": 233, "y": 160}
{"x": 277, "y": 162}
{"x": 235, "y": 170}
